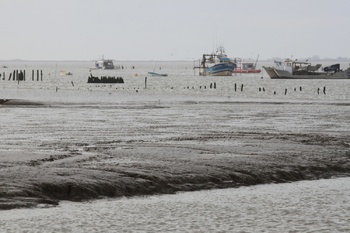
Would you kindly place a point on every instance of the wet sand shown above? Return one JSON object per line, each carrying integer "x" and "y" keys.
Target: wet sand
{"x": 73, "y": 151}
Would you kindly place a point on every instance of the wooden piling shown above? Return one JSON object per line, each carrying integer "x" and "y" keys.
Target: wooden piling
{"x": 285, "y": 91}
{"x": 242, "y": 87}
{"x": 41, "y": 75}
{"x": 32, "y": 75}
{"x": 145, "y": 82}
{"x": 324, "y": 90}
{"x": 37, "y": 75}
{"x": 235, "y": 87}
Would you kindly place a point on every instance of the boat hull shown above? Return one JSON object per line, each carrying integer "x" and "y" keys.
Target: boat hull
{"x": 221, "y": 69}
{"x": 241, "y": 71}
{"x": 157, "y": 74}
{"x": 280, "y": 74}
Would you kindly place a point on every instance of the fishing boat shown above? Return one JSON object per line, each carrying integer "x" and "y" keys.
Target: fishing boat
{"x": 246, "y": 66}
{"x": 106, "y": 64}
{"x": 294, "y": 69}
{"x": 216, "y": 64}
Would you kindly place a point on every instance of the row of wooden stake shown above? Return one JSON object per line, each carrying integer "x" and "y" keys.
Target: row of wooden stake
{"x": 19, "y": 75}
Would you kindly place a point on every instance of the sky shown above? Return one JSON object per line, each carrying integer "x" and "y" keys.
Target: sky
{"x": 172, "y": 29}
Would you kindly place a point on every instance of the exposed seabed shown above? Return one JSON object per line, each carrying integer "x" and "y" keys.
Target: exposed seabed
{"x": 77, "y": 152}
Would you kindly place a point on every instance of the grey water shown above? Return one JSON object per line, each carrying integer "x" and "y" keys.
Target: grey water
{"x": 306, "y": 206}
{"x": 182, "y": 81}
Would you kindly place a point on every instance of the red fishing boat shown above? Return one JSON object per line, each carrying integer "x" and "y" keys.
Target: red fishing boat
{"x": 246, "y": 66}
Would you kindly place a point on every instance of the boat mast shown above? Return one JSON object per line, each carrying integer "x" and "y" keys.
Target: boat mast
{"x": 256, "y": 61}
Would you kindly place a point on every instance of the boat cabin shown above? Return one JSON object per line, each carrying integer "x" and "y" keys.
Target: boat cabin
{"x": 104, "y": 64}
{"x": 296, "y": 67}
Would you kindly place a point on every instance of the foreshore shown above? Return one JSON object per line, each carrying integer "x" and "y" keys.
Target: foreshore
{"x": 53, "y": 153}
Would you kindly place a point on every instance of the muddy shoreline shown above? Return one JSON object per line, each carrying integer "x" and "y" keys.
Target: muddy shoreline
{"x": 154, "y": 170}
{"x": 146, "y": 153}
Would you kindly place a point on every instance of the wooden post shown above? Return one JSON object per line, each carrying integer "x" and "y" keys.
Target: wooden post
{"x": 32, "y": 75}
{"x": 242, "y": 87}
{"x": 37, "y": 75}
{"x": 41, "y": 75}
{"x": 14, "y": 75}
{"x": 235, "y": 87}
{"x": 145, "y": 82}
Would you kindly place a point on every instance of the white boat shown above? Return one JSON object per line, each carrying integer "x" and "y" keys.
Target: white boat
{"x": 106, "y": 64}
{"x": 294, "y": 69}
{"x": 64, "y": 73}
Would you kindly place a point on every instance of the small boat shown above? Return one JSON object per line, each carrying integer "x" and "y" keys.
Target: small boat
{"x": 216, "y": 64}
{"x": 106, "y": 64}
{"x": 294, "y": 69}
{"x": 157, "y": 74}
{"x": 63, "y": 73}
{"x": 246, "y": 66}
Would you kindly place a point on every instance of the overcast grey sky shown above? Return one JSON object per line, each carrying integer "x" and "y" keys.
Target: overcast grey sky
{"x": 172, "y": 29}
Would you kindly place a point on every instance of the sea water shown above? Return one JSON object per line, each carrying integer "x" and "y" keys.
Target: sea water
{"x": 306, "y": 206}
{"x": 181, "y": 81}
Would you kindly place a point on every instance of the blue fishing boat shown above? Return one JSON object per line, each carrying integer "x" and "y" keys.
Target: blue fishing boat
{"x": 216, "y": 64}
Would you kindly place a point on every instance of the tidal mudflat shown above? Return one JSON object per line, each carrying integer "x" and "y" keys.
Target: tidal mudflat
{"x": 141, "y": 144}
